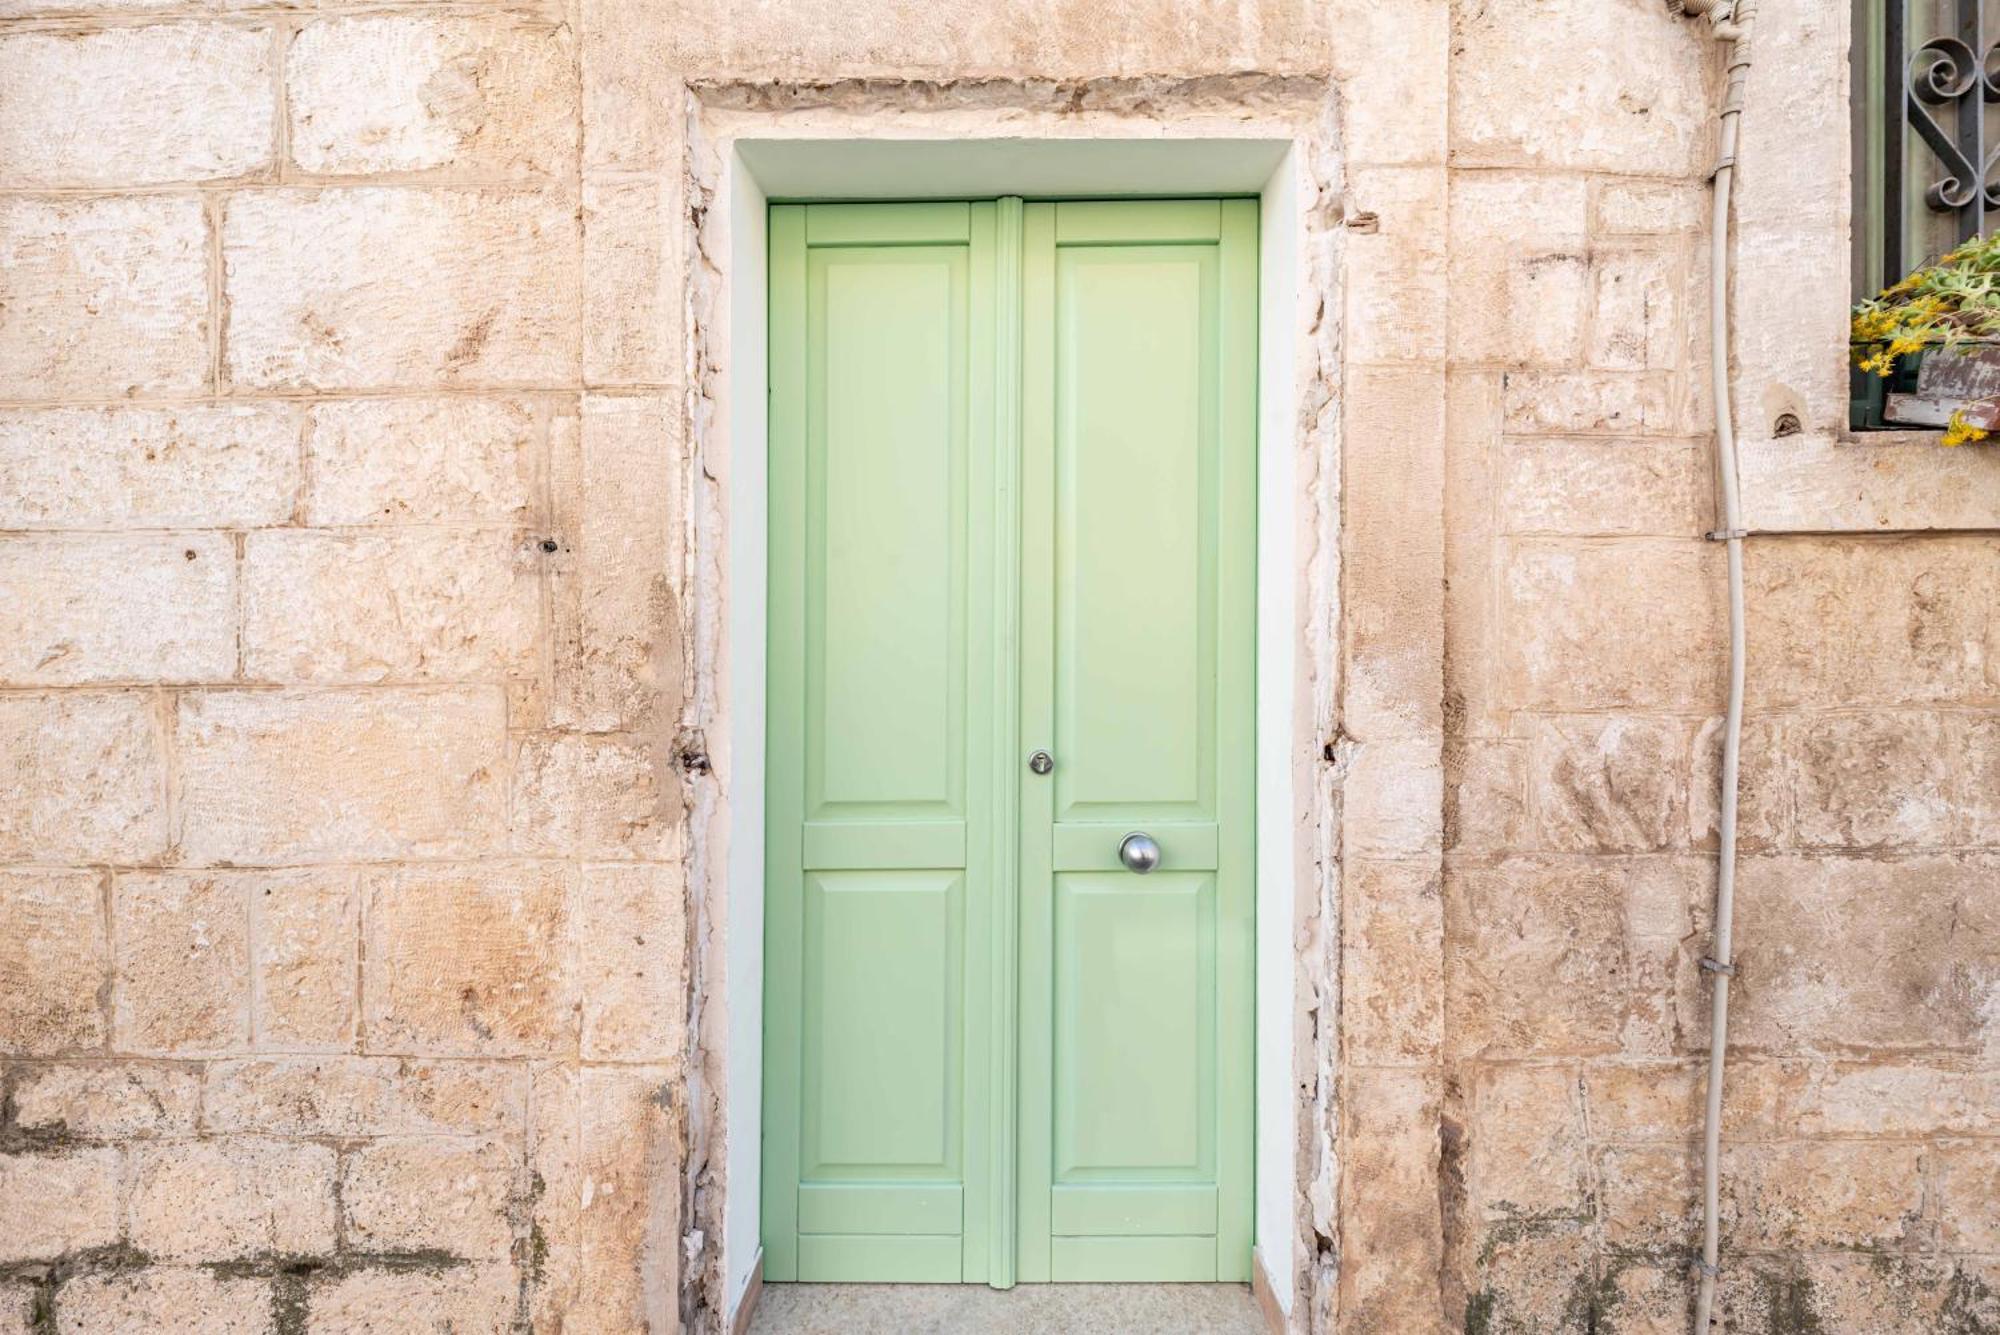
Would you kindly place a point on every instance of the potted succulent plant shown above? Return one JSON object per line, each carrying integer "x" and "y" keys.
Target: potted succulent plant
{"x": 1943, "y": 322}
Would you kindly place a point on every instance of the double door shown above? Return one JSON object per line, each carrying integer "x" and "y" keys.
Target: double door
{"x": 1008, "y": 1027}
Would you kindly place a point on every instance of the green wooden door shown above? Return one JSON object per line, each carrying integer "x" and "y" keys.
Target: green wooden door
{"x": 1012, "y": 510}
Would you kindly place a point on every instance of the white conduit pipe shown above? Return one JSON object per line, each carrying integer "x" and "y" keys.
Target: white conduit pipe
{"x": 1731, "y": 22}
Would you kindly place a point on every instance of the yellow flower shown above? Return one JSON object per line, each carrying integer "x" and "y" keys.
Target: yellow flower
{"x": 1961, "y": 432}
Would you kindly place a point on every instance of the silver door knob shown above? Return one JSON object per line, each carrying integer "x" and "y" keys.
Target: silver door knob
{"x": 1041, "y": 762}
{"x": 1139, "y": 852}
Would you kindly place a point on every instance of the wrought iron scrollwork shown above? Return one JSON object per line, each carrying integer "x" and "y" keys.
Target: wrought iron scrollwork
{"x": 1948, "y": 82}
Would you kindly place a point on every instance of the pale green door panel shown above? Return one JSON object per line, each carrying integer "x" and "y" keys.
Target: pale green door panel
{"x": 1139, "y": 471}
{"x": 876, "y": 1039}
{"x": 1012, "y": 471}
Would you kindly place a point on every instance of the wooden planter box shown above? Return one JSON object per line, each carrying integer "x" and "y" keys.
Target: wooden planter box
{"x": 1965, "y": 378}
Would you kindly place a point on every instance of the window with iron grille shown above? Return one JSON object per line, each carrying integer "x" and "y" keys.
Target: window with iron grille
{"x": 1926, "y": 137}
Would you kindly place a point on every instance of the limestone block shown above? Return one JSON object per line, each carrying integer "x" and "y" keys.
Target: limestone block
{"x": 1873, "y": 780}
{"x": 423, "y": 461}
{"x": 80, "y": 608}
{"x": 631, "y": 957}
{"x": 1973, "y": 770}
{"x": 632, "y": 296}
{"x": 182, "y": 982}
{"x": 163, "y": 1298}
{"x": 1824, "y": 1194}
{"x": 472, "y": 959}
{"x": 419, "y": 605}
{"x": 86, "y": 781}
{"x": 1526, "y": 1144}
{"x": 493, "y": 95}
{"x": 1390, "y": 1208}
{"x": 627, "y": 1185}
{"x": 1633, "y": 624}
{"x": 633, "y": 54}
{"x": 1540, "y": 1276}
{"x": 135, "y": 106}
{"x": 1488, "y": 796}
{"x": 188, "y": 466}
{"x": 1392, "y": 964}
{"x": 111, "y": 1101}
{"x": 1604, "y": 487}
{"x": 58, "y": 1202}
{"x": 1393, "y": 799}
{"x": 1610, "y": 784}
{"x": 1519, "y": 268}
{"x": 362, "y": 1096}
{"x": 1597, "y": 103}
{"x": 1648, "y": 208}
{"x": 603, "y": 796}
{"x": 424, "y": 1194}
{"x": 555, "y": 1201}
{"x": 1879, "y": 1293}
{"x": 1968, "y": 1187}
{"x": 1849, "y": 955}
{"x": 1899, "y": 1099}
{"x": 306, "y": 926}
{"x": 326, "y": 775}
{"x": 1765, "y": 784}
{"x": 1635, "y": 316}
{"x": 1651, "y": 1194}
{"x": 1662, "y": 1101}
{"x": 401, "y": 287}
{"x": 1387, "y": 60}
{"x": 472, "y": 1299}
{"x": 615, "y": 588}
{"x": 215, "y": 1200}
{"x": 1396, "y": 276}
{"x": 54, "y": 958}
{"x": 1599, "y": 403}
{"x": 105, "y": 297}
{"x": 1836, "y": 622}
{"x": 1536, "y": 957}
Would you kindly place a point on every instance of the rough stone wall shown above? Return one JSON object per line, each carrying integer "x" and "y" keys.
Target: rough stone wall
{"x": 358, "y": 605}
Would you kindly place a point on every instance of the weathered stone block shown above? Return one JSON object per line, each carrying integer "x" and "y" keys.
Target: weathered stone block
{"x": 1872, "y": 780}
{"x": 182, "y": 981}
{"x": 1972, "y": 768}
{"x": 601, "y": 796}
{"x": 1392, "y": 964}
{"x": 1652, "y": 1194}
{"x": 632, "y": 302}
{"x": 1635, "y": 315}
{"x": 1390, "y": 1202}
{"x": 631, "y": 959}
{"x": 270, "y": 776}
{"x": 1662, "y": 1101}
{"x": 492, "y": 95}
{"x": 1837, "y": 622}
{"x": 412, "y": 606}
{"x": 383, "y": 287}
{"x": 424, "y": 461}
{"x": 1519, "y": 268}
{"x": 1393, "y": 799}
{"x": 54, "y": 959}
{"x": 1610, "y": 784}
{"x": 615, "y": 588}
{"x": 104, "y": 297}
{"x": 1396, "y": 276}
{"x": 306, "y": 926}
{"x": 1604, "y": 487}
{"x": 470, "y": 959}
{"x": 107, "y": 1101}
{"x": 476, "y": 1299}
{"x": 429, "y": 1195}
{"x": 1588, "y": 403}
{"x": 84, "y": 778}
{"x": 1537, "y": 960}
{"x": 1643, "y": 115}
{"x": 1526, "y": 1144}
{"x": 1924, "y": 932}
{"x": 135, "y": 106}
{"x": 1899, "y": 1099}
{"x": 218, "y": 1200}
{"x": 1765, "y": 785}
{"x": 1648, "y": 208}
{"x": 362, "y": 1096}
{"x": 159, "y": 1298}
{"x": 189, "y": 466}
{"x": 1488, "y": 795}
{"x": 85, "y": 608}
{"x": 629, "y": 1272}
{"x": 1968, "y": 1187}
{"x": 58, "y": 1202}
{"x": 1394, "y": 108}
{"x": 1633, "y": 624}
{"x": 1824, "y": 1194}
